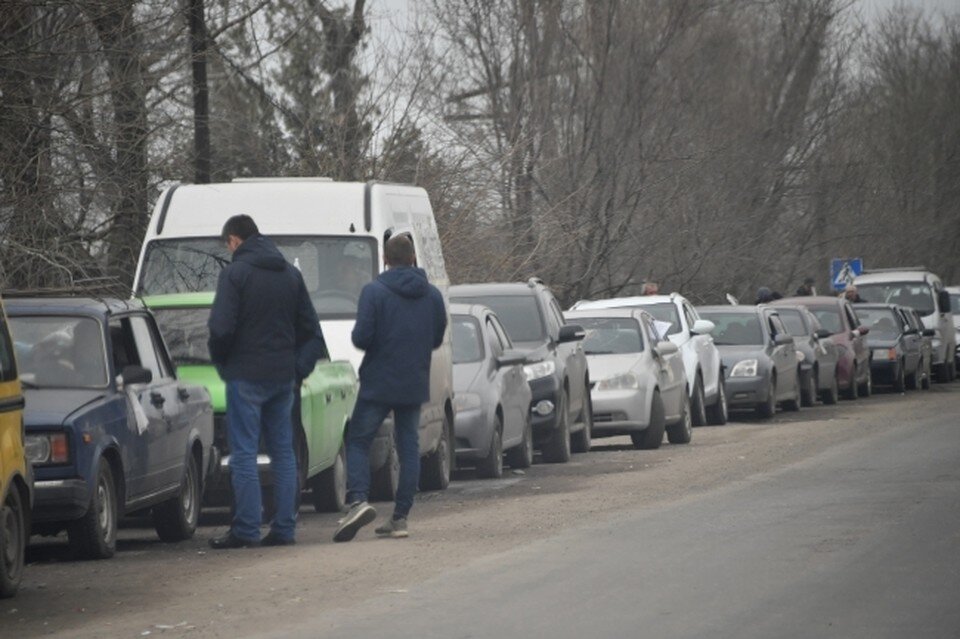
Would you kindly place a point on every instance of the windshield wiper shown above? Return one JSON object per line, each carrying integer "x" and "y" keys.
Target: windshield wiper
{"x": 598, "y": 352}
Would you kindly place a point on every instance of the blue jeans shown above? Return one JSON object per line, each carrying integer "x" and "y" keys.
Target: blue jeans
{"x": 366, "y": 421}
{"x": 252, "y": 408}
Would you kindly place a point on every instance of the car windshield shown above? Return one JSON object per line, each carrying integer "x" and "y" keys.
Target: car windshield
{"x": 185, "y": 332}
{"x": 665, "y": 312}
{"x": 882, "y": 322}
{"x": 467, "y": 340}
{"x": 610, "y": 335}
{"x": 59, "y": 352}
{"x": 913, "y": 294}
{"x": 793, "y": 320}
{"x": 519, "y": 314}
{"x": 829, "y": 318}
{"x": 735, "y": 329}
{"x": 334, "y": 268}
{"x": 955, "y": 303}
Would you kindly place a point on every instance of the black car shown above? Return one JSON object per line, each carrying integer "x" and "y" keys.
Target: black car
{"x": 558, "y": 376}
{"x": 110, "y": 430}
{"x": 896, "y": 346}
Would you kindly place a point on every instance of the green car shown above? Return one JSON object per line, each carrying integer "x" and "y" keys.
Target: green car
{"x": 321, "y": 410}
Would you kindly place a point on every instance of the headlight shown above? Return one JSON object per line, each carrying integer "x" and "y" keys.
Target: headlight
{"x": 466, "y": 401}
{"x": 539, "y": 370}
{"x": 627, "y": 381}
{"x": 744, "y": 368}
{"x": 884, "y": 354}
{"x": 46, "y": 448}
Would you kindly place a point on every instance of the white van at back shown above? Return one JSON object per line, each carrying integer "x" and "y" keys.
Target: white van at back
{"x": 334, "y": 233}
{"x": 920, "y": 289}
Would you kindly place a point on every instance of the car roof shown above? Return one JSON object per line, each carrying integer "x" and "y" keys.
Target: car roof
{"x": 809, "y": 300}
{"x": 952, "y": 289}
{"x": 906, "y": 275}
{"x": 493, "y": 288}
{"x": 474, "y": 310}
{"x": 738, "y": 308}
{"x": 97, "y": 307}
{"x": 633, "y": 312}
{"x": 624, "y": 302}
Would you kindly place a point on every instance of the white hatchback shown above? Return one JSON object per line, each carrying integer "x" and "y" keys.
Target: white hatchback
{"x": 701, "y": 360}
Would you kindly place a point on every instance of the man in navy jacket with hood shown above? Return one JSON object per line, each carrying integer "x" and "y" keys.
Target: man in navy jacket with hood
{"x": 401, "y": 319}
{"x": 264, "y": 335}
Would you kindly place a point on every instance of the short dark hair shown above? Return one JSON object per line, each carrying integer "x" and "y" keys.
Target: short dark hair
{"x": 398, "y": 251}
{"x": 241, "y": 225}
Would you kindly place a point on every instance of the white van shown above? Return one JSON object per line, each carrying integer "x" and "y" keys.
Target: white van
{"x": 920, "y": 289}
{"x": 334, "y": 233}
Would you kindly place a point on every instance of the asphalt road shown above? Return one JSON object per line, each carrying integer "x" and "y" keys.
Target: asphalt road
{"x": 834, "y": 522}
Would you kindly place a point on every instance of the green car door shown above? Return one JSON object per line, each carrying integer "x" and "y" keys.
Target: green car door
{"x": 327, "y": 397}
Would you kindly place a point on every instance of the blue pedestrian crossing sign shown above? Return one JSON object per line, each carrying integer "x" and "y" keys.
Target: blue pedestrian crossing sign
{"x": 843, "y": 270}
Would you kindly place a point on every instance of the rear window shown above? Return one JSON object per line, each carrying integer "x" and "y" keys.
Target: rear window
{"x": 60, "y": 352}
{"x": 829, "y": 318}
{"x": 467, "y": 340}
{"x": 519, "y": 314}
{"x": 610, "y": 336}
{"x": 955, "y": 303}
{"x": 882, "y": 322}
{"x": 665, "y": 312}
{"x": 735, "y": 329}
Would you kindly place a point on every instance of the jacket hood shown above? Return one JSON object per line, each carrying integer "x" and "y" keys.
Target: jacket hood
{"x": 406, "y": 281}
{"x": 260, "y": 252}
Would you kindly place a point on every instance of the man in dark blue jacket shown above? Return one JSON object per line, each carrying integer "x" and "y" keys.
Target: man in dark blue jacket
{"x": 264, "y": 334}
{"x": 401, "y": 319}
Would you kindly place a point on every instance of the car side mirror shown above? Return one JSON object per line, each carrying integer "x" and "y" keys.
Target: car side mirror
{"x": 782, "y": 339}
{"x": 823, "y": 333}
{"x": 666, "y": 347}
{"x": 929, "y": 332}
{"x": 911, "y": 331}
{"x": 702, "y": 327}
{"x": 511, "y": 358}
{"x": 135, "y": 375}
{"x": 570, "y": 333}
{"x": 943, "y": 301}
{"x": 863, "y": 330}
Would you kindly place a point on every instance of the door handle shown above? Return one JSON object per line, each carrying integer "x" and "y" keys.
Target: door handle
{"x": 183, "y": 394}
{"x": 157, "y": 399}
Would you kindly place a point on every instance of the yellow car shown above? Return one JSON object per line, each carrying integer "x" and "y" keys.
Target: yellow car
{"x": 15, "y": 473}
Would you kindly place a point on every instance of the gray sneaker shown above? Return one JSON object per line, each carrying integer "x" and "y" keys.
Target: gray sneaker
{"x": 396, "y": 528}
{"x": 359, "y": 515}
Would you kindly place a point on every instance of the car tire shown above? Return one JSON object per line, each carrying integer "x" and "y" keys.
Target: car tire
{"x": 682, "y": 431}
{"x": 13, "y": 542}
{"x": 521, "y": 455}
{"x": 491, "y": 466}
{"x": 329, "y": 488}
{"x": 768, "y": 409}
{"x": 913, "y": 381}
{"x": 900, "y": 381}
{"x": 652, "y": 436}
{"x": 582, "y": 439}
{"x": 698, "y": 403}
{"x": 719, "y": 412}
{"x": 832, "y": 394}
{"x": 927, "y": 380}
{"x": 384, "y": 482}
{"x": 852, "y": 390}
{"x": 436, "y": 467}
{"x": 866, "y": 388}
{"x": 94, "y": 536}
{"x": 176, "y": 519}
{"x": 556, "y": 450}
{"x": 811, "y": 383}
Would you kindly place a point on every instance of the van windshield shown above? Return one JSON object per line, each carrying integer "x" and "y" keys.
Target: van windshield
{"x": 334, "y": 268}
{"x": 913, "y": 294}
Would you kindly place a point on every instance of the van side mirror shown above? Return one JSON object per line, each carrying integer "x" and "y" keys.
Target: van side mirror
{"x": 943, "y": 301}
{"x": 570, "y": 333}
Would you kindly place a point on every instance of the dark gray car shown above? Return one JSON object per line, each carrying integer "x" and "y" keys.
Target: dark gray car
{"x": 559, "y": 382}
{"x": 759, "y": 357}
{"x": 818, "y": 355}
{"x": 491, "y": 393}
{"x": 896, "y": 346}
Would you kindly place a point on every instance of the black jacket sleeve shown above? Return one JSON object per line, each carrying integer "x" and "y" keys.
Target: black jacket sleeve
{"x": 311, "y": 346}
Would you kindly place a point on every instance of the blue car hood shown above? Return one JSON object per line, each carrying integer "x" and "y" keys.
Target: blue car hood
{"x": 52, "y": 407}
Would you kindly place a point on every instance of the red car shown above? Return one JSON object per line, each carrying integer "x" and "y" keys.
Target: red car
{"x": 837, "y": 316}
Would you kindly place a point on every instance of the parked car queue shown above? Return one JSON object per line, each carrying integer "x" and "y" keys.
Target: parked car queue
{"x": 116, "y": 424}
